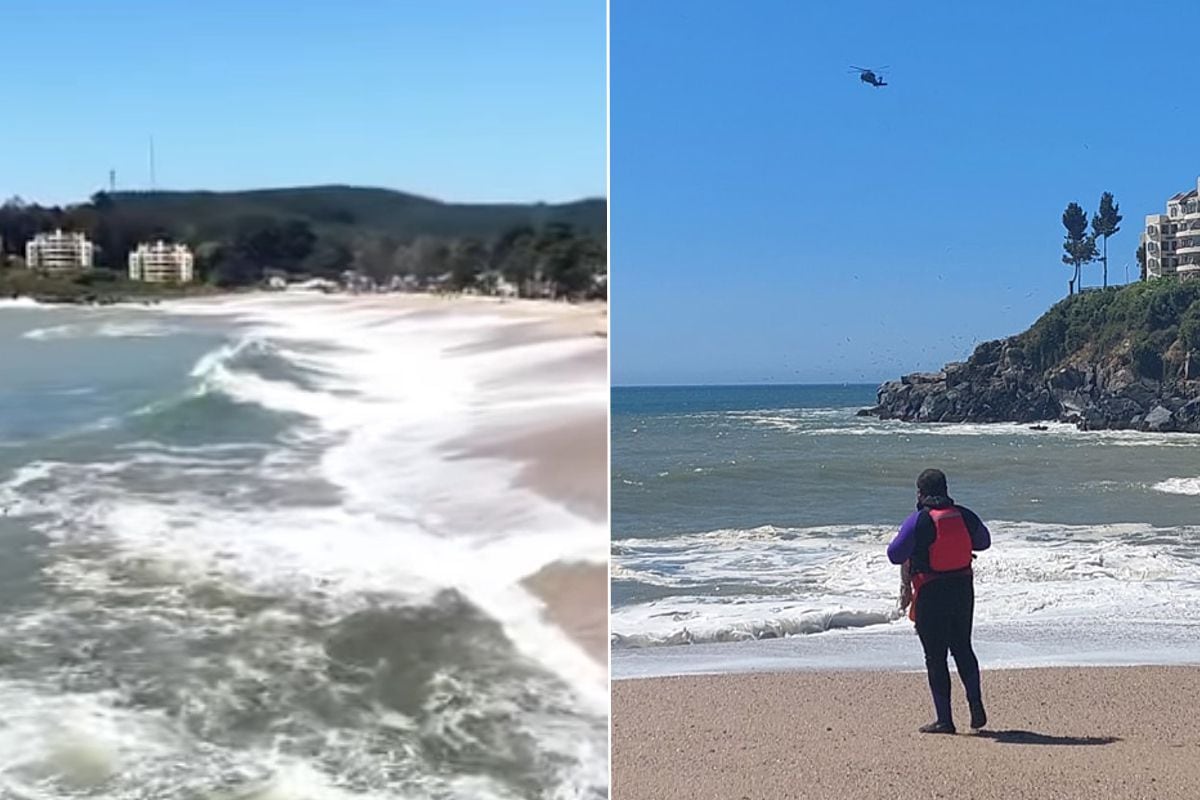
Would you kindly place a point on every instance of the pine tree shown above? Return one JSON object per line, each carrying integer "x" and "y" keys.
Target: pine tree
{"x": 1105, "y": 223}
{"x": 1079, "y": 246}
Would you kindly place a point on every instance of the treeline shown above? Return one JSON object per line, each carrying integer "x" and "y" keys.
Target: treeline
{"x": 551, "y": 260}
{"x": 1079, "y": 244}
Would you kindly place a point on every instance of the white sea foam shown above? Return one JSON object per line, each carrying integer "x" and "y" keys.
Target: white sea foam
{"x": 390, "y": 406}
{"x": 127, "y": 329}
{"x": 55, "y": 332}
{"x": 771, "y": 582}
{"x": 57, "y": 745}
{"x": 707, "y": 622}
{"x": 815, "y": 422}
{"x": 73, "y": 743}
{"x": 21, "y": 302}
{"x": 1178, "y": 486}
{"x": 412, "y": 515}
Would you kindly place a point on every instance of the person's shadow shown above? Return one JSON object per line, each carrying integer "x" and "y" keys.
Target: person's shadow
{"x": 1029, "y": 737}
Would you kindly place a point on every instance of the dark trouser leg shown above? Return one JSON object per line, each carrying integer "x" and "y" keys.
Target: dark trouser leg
{"x": 931, "y": 628}
{"x": 960, "y": 643}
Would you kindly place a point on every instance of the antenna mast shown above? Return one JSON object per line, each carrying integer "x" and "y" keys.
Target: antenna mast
{"x": 153, "y": 181}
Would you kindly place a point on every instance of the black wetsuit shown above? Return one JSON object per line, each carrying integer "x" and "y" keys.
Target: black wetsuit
{"x": 945, "y": 606}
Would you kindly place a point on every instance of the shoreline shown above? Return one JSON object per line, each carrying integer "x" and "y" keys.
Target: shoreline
{"x": 868, "y": 670}
{"x": 576, "y": 598}
{"x": 897, "y": 651}
{"x": 563, "y": 459}
{"x": 562, "y": 454}
{"x": 92, "y": 300}
{"x": 1054, "y": 732}
{"x": 1039, "y": 425}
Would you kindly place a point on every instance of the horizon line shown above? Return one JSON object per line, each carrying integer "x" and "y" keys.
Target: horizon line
{"x": 740, "y": 385}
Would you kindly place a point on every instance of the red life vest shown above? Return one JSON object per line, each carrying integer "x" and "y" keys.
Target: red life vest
{"x": 951, "y": 547}
{"x": 949, "y": 552}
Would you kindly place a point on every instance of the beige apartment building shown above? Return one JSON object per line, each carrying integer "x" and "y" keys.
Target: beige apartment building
{"x": 1172, "y": 240}
{"x": 161, "y": 263}
{"x": 59, "y": 251}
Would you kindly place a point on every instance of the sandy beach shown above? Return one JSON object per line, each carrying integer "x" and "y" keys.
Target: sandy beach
{"x": 576, "y": 597}
{"x": 1055, "y": 733}
{"x": 565, "y": 457}
{"x": 567, "y": 461}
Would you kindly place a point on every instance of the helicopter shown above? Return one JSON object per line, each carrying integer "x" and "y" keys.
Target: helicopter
{"x": 869, "y": 76}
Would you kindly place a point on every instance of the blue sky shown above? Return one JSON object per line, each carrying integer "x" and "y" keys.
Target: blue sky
{"x": 470, "y": 100}
{"x": 776, "y": 220}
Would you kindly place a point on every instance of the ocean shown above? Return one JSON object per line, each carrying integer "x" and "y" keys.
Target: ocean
{"x": 750, "y": 525}
{"x": 246, "y": 553}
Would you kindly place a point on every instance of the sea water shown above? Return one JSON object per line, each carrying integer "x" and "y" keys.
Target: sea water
{"x": 750, "y": 527}
{"x": 240, "y": 561}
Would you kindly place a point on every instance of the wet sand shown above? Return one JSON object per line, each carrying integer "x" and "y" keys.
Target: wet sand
{"x": 576, "y": 597}
{"x": 564, "y": 458}
{"x": 1119, "y": 732}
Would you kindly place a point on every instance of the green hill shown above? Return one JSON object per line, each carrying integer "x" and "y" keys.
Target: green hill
{"x": 344, "y": 212}
{"x": 239, "y": 238}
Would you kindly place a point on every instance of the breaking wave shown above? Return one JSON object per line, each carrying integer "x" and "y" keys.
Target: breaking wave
{"x": 104, "y": 330}
{"x": 771, "y": 582}
{"x": 271, "y": 582}
{"x": 700, "y": 631}
{"x": 1179, "y": 486}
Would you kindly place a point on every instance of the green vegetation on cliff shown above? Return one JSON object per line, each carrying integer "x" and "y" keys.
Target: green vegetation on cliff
{"x": 1151, "y": 326}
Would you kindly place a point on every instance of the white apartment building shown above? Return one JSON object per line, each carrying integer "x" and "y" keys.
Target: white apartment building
{"x": 161, "y": 263}
{"x": 58, "y": 252}
{"x": 1172, "y": 240}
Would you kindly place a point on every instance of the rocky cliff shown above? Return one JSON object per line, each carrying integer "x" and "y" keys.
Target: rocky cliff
{"x": 1125, "y": 358}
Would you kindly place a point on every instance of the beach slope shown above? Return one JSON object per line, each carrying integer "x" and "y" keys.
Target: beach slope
{"x": 1056, "y": 733}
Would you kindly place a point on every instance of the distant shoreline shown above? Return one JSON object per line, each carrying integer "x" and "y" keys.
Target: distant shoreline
{"x": 117, "y": 298}
{"x": 758, "y": 385}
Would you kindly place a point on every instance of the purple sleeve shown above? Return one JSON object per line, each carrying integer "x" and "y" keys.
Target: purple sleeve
{"x": 901, "y": 548}
{"x": 981, "y": 537}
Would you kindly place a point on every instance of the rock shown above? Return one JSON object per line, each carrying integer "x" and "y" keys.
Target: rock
{"x": 1187, "y": 417}
{"x": 933, "y": 407}
{"x": 1072, "y": 402}
{"x": 1158, "y": 419}
{"x": 956, "y": 373}
{"x": 1111, "y": 413}
{"x": 1014, "y": 356}
{"x": 923, "y": 377}
{"x": 1141, "y": 393}
{"x": 1066, "y": 379}
{"x": 1115, "y": 382}
{"x": 1121, "y": 408}
{"x": 986, "y": 353}
{"x": 998, "y": 384}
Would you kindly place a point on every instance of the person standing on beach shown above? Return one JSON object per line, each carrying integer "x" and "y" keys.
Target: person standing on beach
{"x": 936, "y": 543}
